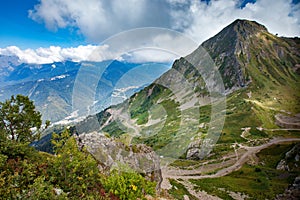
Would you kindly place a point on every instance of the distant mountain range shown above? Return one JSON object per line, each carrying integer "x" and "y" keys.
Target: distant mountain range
{"x": 51, "y": 85}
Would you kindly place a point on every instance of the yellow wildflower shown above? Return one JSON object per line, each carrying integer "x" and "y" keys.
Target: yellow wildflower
{"x": 134, "y": 188}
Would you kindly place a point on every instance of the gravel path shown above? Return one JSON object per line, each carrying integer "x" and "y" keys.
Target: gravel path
{"x": 177, "y": 174}
{"x": 168, "y": 173}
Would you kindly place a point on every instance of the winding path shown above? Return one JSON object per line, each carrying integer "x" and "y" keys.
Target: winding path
{"x": 184, "y": 175}
{"x": 180, "y": 174}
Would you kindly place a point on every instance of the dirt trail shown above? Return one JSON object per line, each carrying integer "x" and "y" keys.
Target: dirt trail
{"x": 199, "y": 194}
{"x": 180, "y": 174}
{"x": 183, "y": 176}
{"x": 124, "y": 118}
{"x": 288, "y": 121}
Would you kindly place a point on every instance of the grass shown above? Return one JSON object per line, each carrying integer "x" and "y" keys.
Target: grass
{"x": 178, "y": 191}
{"x": 241, "y": 112}
{"x": 114, "y": 129}
{"x": 272, "y": 155}
{"x": 184, "y": 163}
{"x": 283, "y": 133}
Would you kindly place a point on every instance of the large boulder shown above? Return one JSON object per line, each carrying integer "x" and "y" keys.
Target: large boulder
{"x": 199, "y": 149}
{"x": 111, "y": 153}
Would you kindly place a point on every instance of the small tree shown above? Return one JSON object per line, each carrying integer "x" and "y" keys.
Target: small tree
{"x": 74, "y": 170}
{"x": 19, "y": 120}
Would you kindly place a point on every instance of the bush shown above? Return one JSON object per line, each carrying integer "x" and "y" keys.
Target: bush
{"x": 128, "y": 185}
{"x": 74, "y": 171}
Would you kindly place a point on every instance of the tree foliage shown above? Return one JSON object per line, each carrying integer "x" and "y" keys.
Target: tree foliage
{"x": 71, "y": 173}
{"x": 19, "y": 120}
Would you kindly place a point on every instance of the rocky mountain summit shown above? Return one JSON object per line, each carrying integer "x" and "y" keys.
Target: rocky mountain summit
{"x": 247, "y": 44}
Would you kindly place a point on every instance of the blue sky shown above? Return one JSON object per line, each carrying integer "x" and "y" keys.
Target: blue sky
{"x": 33, "y": 24}
{"x": 19, "y": 30}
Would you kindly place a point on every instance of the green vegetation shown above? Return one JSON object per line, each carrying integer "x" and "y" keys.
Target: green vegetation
{"x": 29, "y": 174}
{"x": 114, "y": 129}
{"x": 271, "y": 156}
{"x": 71, "y": 173}
{"x": 183, "y": 163}
{"x": 127, "y": 184}
{"x": 18, "y": 117}
{"x": 260, "y": 181}
{"x": 178, "y": 190}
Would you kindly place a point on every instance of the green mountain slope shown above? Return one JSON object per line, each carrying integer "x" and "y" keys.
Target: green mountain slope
{"x": 260, "y": 73}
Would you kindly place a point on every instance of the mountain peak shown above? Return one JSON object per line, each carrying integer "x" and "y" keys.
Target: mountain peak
{"x": 242, "y": 26}
{"x": 238, "y": 30}
{"x": 245, "y": 43}
{"x": 245, "y": 22}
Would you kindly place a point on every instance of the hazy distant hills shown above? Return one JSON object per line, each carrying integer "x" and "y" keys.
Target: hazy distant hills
{"x": 7, "y": 64}
{"x": 51, "y": 85}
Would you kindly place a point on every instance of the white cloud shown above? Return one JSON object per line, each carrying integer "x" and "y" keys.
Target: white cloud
{"x": 99, "y": 19}
{"x": 58, "y": 54}
{"x": 280, "y": 16}
{"x": 140, "y": 45}
{"x": 150, "y": 55}
{"x": 196, "y": 19}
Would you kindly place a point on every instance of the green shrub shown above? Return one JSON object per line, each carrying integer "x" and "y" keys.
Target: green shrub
{"x": 75, "y": 171}
{"x": 128, "y": 185}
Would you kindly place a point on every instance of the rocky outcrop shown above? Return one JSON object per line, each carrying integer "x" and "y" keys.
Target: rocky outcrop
{"x": 282, "y": 165}
{"x": 292, "y": 192}
{"x": 110, "y": 154}
{"x": 199, "y": 149}
{"x": 193, "y": 150}
{"x": 292, "y": 155}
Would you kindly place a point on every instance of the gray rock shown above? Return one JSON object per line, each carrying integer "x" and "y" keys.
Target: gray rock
{"x": 293, "y": 154}
{"x": 193, "y": 150}
{"x": 282, "y": 165}
{"x": 292, "y": 192}
{"x": 111, "y": 154}
{"x": 199, "y": 149}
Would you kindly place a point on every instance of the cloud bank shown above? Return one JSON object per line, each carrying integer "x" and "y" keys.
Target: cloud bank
{"x": 54, "y": 54}
{"x": 281, "y": 17}
{"x": 137, "y": 46}
{"x": 99, "y": 19}
{"x": 84, "y": 53}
